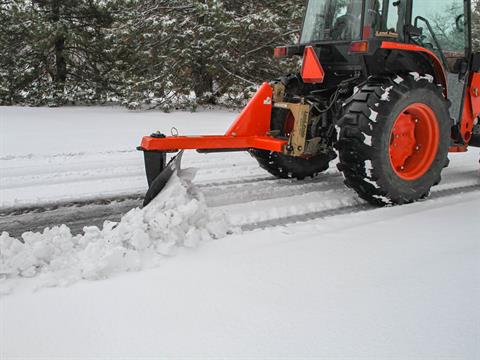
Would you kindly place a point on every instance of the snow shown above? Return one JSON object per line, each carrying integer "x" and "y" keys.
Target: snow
{"x": 375, "y": 184}
{"x": 419, "y": 77}
{"x": 177, "y": 217}
{"x": 399, "y": 282}
{"x": 398, "y": 79}
{"x": 373, "y": 115}
{"x": 85, "y": 130}
{"x": 368, "y": 167}
{"x": 368, "y": 139}
{"x": 55, "y": 155}
{"x": 386, "y": 95}
{"x": 326, "y": 289}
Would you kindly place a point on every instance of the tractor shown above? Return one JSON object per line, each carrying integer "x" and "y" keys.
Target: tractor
{"x": 390, "y": 87}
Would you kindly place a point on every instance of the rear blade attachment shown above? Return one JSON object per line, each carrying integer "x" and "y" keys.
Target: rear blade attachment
{"x": 158, "y": 174}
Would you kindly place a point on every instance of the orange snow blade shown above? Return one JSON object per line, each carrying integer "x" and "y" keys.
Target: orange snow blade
{"x": 250, "y": 130}
{"x": 255, "y": 118}
{"x": 212, "y": 142}
{"x": 312, "y": 70}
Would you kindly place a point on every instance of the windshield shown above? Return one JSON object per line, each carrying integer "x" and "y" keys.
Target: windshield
{"x": 332, "y": 20}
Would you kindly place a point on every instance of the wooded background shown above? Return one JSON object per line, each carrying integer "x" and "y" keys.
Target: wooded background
{"x": 144, "y": 53}
{"x": 147, "y": 53}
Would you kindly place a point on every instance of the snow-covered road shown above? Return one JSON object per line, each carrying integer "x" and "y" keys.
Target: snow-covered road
{"x": 313, "y": 272}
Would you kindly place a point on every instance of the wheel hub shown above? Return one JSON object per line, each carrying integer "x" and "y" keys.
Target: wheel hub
{"x": 414, "y": 141}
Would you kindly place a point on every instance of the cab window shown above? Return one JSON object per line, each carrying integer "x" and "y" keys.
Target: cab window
{"x": 384, "y": 18}
{"x": 446, "y": 20}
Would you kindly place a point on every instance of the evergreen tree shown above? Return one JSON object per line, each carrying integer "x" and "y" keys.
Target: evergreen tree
{"x": 61, "y": 46}
{"x": 153, "y": 53}
{"x": 182, "y": 53}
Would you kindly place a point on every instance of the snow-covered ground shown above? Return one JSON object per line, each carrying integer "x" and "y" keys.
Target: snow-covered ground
{"x": 54, "y": 155}
{"x": 352, "y": 282}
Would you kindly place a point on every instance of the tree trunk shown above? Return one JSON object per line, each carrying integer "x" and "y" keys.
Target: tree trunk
{"x": 60, "y": 60}
{"x": 202, "y": 80}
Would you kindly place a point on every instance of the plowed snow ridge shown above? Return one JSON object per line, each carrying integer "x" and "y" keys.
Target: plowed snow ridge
{"x": 177, "y": 217}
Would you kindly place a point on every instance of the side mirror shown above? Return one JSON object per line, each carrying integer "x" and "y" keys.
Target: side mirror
{"x": 460, "y": 23}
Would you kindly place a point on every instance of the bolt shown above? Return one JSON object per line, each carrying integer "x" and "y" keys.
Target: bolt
{"x": 417, "y": 121}
{"x": 417, "y": 148}
{"x": 158, "y": 135}
{"x": 402, "y": 168}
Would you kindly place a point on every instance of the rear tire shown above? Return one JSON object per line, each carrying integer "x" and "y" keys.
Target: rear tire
{"x": 394, "y": 138}
{"x": 289, "y": 167}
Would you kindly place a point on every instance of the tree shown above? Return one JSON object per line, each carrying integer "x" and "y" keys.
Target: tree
{"x": 184, "y": 53}
{"x": 153, "y": 53}
{"x": 62, "y": 47}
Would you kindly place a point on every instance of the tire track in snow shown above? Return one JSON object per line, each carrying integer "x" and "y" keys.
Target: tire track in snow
{"x": 93, "y": 212}
{"x": 48, "y": 174}
{"x": 25, "y": 183}
{"x": 251, "y": 193}
{"x": 74, "y": 216}
{"x": 63, "y": 155}
{"x": 79, "y": 215}
{"x": 136, "y": 195}
{"x": 235, "y": 182}
{"x": 351, "y": 209}
{"x": 69, "y": 178}
{"x": 269, "y": 189}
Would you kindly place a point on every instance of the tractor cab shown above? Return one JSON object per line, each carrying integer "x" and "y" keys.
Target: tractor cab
{"x": 363, "y": 38}
{"x": 439, "y": 25}
{"x": 353, "y": 20}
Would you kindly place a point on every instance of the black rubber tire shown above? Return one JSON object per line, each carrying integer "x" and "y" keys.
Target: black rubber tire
{"x": 289, "y": 167}
{"x": 364, "y": 138}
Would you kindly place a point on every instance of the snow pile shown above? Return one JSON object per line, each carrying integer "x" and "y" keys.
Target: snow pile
{"x": 419, "y": 77}
{"x": 178, "y": 217}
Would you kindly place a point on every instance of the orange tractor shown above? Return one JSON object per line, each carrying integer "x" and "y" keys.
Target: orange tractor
{"x": 391, "y": 86}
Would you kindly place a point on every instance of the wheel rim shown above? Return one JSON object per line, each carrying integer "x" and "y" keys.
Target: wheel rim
{"x": 414, "y": 141}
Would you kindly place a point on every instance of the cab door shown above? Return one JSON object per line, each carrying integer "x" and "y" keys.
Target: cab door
{"x": 444, "y": 31}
